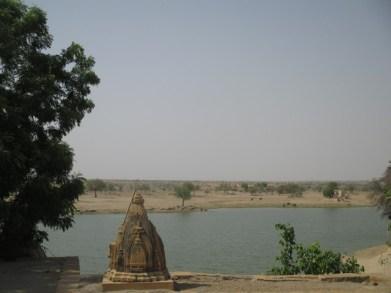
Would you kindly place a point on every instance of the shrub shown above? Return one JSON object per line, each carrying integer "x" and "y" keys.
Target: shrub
{"x": 226, "y": 187}
{"x": 244, "y": 186}
{"x": 290, "y": 188}
{"x": 296, "y": 259}
{"x": 330, "y": 189}
{"x": 261, "y": 187}
{"x": 141, "y": 186}
{"x": 96, "y": 185}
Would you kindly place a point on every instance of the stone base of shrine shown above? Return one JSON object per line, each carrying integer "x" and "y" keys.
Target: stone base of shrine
{"x": 109, "y": 285}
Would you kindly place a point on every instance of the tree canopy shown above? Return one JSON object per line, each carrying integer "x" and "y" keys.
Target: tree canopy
{"x": 42, "y": 98}
{"x": 290, "y": 188}
{"x": 384, "y": 192}
{"x": 96, "y": 185}
{"x": 184, "y": 191}
{"x": 381, "y": 190}
{"x": 330, "y": 189}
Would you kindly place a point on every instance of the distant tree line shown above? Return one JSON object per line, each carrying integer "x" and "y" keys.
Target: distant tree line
{"x": 328, "y": 189}
{"x": 98, "y": 185}
{"x": 290, "y": 188}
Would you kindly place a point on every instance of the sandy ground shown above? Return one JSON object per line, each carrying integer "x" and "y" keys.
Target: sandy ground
{"x": 221, "y": 283}
{"x": 118, "y": 202}
{"x": 376, "y": 260}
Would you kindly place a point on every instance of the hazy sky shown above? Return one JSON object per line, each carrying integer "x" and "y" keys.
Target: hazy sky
{"x": 232, "y": 90}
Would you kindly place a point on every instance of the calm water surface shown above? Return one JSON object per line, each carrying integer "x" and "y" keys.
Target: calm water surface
{"x": 240, "y": 241}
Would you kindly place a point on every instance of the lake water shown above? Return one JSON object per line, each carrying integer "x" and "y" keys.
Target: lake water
{"x": 237, "y": 241}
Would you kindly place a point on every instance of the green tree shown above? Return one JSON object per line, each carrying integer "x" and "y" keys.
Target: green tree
{"x": 381, "y": 190}
{"x": 330, "y": 189}
{"x": 183, "y": 192}
{"x": 290, "y": 188}
{"x": 96, "y": 185}
{"x": 287, "y": 257}
{"x": 191, "y": 186}
{"x": 295, "y": 258}
{"x": 384, "y": 197}
{"x": 42, "y": 98}
{"x": 244, "y": 186}
{"x": 110, "y": 186}
{"x": 349, "y": 189}
{"x": 260, "y": 187}
{"x": 140, "y": 186}
{"x": 225, "y": 187}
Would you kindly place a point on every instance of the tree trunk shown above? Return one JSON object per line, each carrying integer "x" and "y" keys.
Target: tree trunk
{"x": 95, "y": 193}
{"x": 183, "y": 203}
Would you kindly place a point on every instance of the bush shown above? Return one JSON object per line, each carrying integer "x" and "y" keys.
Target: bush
{"x": 349, "y": 188}
{"x": 96, "y": 185}
{"x": 110, "y": 187}
{"x": 226, "y": 187}
{"x": 290, "y": 188}
{"x": 330, "y": 189}
{"x": 296, "y": 259}
{"x": 191, "y": 186}
{"x": 244, "y": 186}
{"x": 142, "y": 186}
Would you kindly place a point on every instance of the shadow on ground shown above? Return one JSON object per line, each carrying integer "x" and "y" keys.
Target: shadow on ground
{"x": 30, "y": 276}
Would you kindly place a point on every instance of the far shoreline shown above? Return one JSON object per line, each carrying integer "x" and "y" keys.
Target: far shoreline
{"x": 203, "y": 210}
{"x": 166, "y": 202}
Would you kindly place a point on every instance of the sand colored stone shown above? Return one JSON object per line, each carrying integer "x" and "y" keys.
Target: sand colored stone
{"x": 137, "y": 258}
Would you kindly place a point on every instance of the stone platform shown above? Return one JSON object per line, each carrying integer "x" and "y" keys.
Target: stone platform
{"x": 108, "y": 285}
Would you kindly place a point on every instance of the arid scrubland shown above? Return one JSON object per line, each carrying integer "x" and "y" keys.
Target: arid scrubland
{"x": 160, "y": 195}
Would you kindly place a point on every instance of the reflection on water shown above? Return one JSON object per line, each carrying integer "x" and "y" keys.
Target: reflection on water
{"x": 241, "y": 241}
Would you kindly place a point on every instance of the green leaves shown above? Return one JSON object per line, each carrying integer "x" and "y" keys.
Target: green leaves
{"x": 184, "y": 191}
{"x": 287, "y": 256}
{"x": 381, "y": 192}
{"x": 296, "y": 259}
{"x": 330, "y": 189}
{"x": 314, "y": 260}
{"x": 42, "y": 98}
{"x": 290, "y": 188}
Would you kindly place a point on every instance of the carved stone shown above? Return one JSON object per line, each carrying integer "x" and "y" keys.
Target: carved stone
{"x": 137, "y": 259}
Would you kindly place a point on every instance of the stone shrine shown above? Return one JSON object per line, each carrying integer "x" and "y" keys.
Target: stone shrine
{"x": 137, "y": 259}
